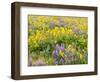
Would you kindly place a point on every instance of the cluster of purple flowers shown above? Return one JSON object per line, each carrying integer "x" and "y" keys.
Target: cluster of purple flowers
{"x": 63, "y": 57}
{"x": 56, "y": 54}
{"x": 39, "y": 62}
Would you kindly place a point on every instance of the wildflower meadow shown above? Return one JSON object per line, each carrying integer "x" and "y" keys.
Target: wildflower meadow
{"x": 57, "y": 40}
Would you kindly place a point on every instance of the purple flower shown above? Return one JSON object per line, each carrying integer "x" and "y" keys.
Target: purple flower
{"x": 51, "y": 24}
{"x": 30, "y": 61}
{"x": 63, "y": 24}
{"x": 40, "y": 62}
{"x": 56, "y": 61}
{"x": 72, "y": 57}
{"x": 76, "y": 30}
{"x": 60, "y": 19}
{"x": 55, "y": 53}
{"x": 68, "y": 59}
{"x": 62, "y": 48}
{"x": 61, "y": 61}
{"x": 57, "y": 47}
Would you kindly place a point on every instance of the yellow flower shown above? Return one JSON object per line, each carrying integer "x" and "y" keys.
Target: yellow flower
{"x": 81, "y": 56}
{"x": 61, "y": 53}
{"x": 69, "y": 46}
{"x": 56, "y": 28}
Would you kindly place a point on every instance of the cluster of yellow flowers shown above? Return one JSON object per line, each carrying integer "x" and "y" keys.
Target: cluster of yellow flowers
{"x": 36, "y": 37}
{"x": 59, "y": 31}
{"x": 50, "y": 33}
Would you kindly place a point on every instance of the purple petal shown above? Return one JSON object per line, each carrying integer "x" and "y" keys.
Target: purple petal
{"x": 56, "y": 61}
{"x": 57, "y": 47}
{"x": 62, "y": 47}
{"x": 30, "y": 61}
{"x": 40, "y": 62}
{"x": 55, "y": 53}
{"x": 61, "y": 61}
